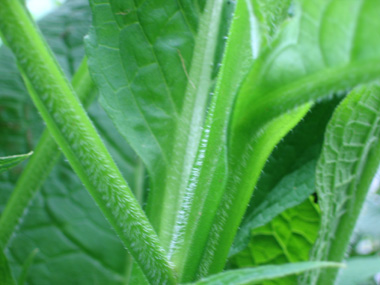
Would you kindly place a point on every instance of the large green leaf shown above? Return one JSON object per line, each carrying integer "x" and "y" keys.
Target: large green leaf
{"x": 346, "y": 168}
{"x": 149, "y": 48}
{"x": 308, "y": 60}
{"x": 292, "y": 163}
{"x": 291, "y": 191}
{"x": 287, "y": 238}
{"x": 297, "y": 68}
{"x": 76, "y": 244}
{"x": 302, "y": 145}
{"x": 263, "y": 273}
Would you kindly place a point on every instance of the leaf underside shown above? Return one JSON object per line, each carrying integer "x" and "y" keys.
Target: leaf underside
{"x": 345, "y": 170}
{"x": 287, "y": 238}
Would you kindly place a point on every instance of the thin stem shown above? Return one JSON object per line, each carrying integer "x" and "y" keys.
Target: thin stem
{"x": 75, "y": 134}
{"x": 40, "y": 164}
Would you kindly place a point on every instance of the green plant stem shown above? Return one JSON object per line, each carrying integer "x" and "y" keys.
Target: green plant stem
{"x": 40, "y": 164}
{"x": 189, "y": 128}
{"x": 211, "y": 158}
{"x": 75, "y": 134}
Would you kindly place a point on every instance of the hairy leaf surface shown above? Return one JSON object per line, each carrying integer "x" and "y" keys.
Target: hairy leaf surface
{"x": 289, "y": 192}
{"x": 302, "y": 145}
{"x": 294, "y": 157}
{"x": 348, "y": 163}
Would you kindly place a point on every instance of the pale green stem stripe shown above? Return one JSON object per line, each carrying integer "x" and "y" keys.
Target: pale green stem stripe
{"x": 189, "y": 128}
{"x": 75, "y": 134}
{"x": 40, "y": 165}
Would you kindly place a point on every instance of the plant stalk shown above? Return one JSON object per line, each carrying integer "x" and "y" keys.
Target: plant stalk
{"x": 40, "y": 164}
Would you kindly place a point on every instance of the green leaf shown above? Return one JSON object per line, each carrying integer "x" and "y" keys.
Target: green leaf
{"x": 289, "y": 192}
{"x": 295, "y": 155}
{"x": 263, "y": 273}
{"x": 346, "y": 168}
{"x": 150, "y": 48}
{"x": 308, "y": 60}
{"x": 359, "y": 270}
{"x": 287, "y": 238}
{"x": 300, "y": 146}
{"x": 11, "y": 161}
{"x": 76, "y": 243}
{"x": 6, "y": 277}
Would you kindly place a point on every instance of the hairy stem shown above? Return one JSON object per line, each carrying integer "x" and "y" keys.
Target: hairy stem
{"x": 40, "y": 164}
{"x": 76, "y": 136}
{"x": 188, "y": 131}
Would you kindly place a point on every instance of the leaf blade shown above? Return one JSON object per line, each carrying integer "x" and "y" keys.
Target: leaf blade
{"x": 345, "y": 170}
{"x": 262, "y": 273}
{"x": 11, "y": 161}
{"x": 289, "y": 192}
{"x": 295, "y": 67}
